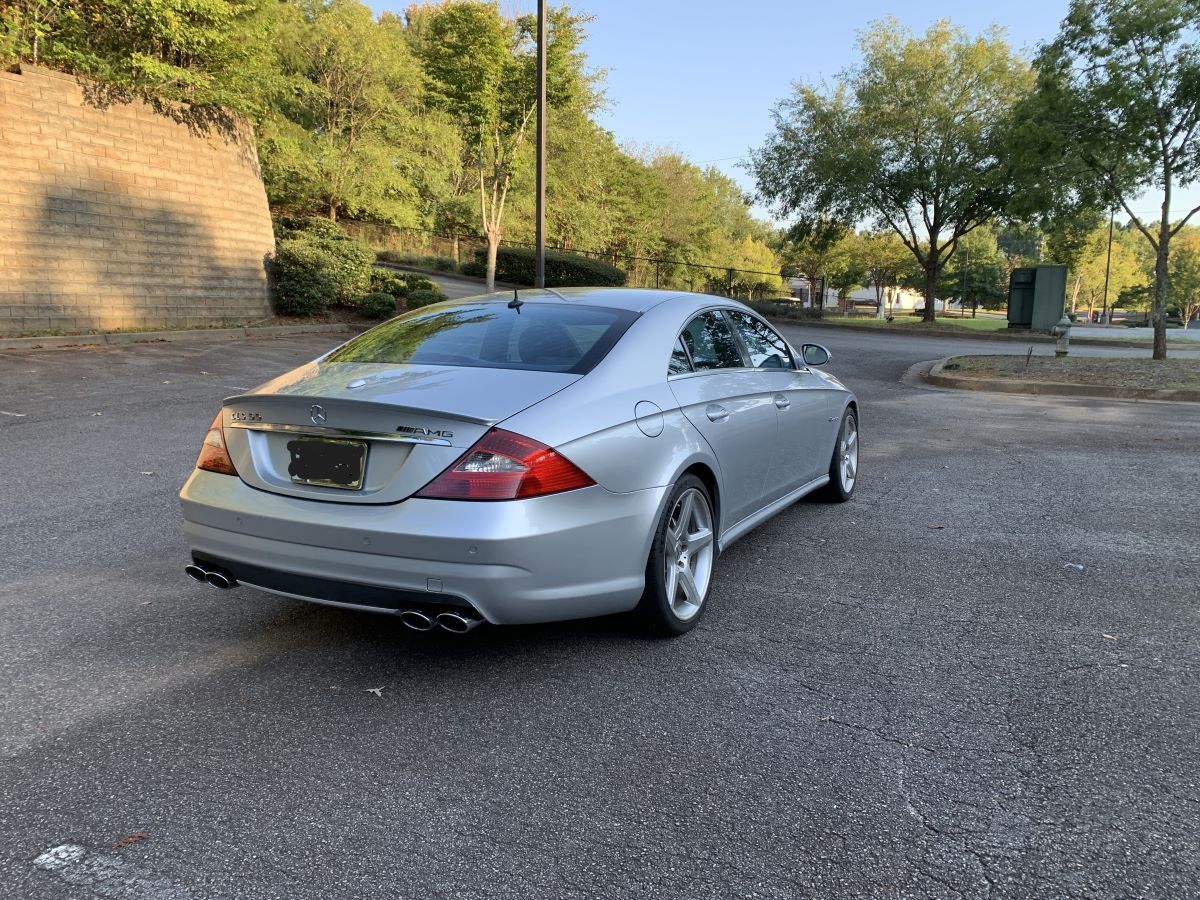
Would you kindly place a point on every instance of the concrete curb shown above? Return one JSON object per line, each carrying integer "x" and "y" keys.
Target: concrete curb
{"x": 210, "y": 335}
{"x": 938, "y": 377}
{"x": 1000, "y": 336}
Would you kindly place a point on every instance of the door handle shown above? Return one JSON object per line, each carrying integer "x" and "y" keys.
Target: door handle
{"x": 782, "y": 402}
{"x": 716, "y": 412}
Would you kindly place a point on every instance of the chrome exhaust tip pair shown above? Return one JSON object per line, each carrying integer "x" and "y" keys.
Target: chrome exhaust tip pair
{"x": 456, "y": 623}
{"x": 217, "y": 578}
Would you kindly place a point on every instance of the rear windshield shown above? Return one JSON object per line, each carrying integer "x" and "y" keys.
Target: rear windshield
{"x": 543, "y": 337}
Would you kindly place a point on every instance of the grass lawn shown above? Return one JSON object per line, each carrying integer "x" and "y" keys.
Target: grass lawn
{"x": 1166, "y": 374}
{"x": 982, "y": 323}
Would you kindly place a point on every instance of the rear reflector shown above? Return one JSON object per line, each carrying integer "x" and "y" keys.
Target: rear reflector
{"x": 213, "y": 455}
{"x": 506, "y": 466}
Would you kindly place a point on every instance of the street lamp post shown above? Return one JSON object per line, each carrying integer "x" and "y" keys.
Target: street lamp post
{"x": 539, "y": 276}
{"x": 1107, "y": 264}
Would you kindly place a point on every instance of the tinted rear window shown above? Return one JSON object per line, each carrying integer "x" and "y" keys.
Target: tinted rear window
{"x": 543, "y": 337}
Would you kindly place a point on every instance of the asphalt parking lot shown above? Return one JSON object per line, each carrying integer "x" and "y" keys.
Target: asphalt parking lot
{"x": 979, "y": 678}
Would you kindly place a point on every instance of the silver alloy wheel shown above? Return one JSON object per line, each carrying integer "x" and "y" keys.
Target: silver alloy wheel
{"x": 848, "y": 453}
{"x": 688, "y": 554}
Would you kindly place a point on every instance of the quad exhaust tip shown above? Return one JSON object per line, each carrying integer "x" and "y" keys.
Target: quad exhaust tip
{"x": 416, "y": 620}
{"x": 457, "y": 623}
{"x": 218, "y": 578}
{"x": 454, "y": 622}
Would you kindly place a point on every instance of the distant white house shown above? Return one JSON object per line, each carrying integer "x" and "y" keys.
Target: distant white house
{"x": 895, "y": 300}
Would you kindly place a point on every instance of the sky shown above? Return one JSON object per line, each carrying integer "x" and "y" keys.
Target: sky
{"x": 701, "y": 77}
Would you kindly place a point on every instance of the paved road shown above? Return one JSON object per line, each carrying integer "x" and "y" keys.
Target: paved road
{"x": 1125, "y": 332}
{"x": 917, "y": 694}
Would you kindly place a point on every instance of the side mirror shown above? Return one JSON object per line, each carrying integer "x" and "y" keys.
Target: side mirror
{"x": 814, "y": 354}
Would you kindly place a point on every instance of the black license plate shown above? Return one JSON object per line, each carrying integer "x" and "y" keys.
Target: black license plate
{"x": 328, "y": 463}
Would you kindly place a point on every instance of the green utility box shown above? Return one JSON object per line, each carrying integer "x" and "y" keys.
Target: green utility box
{"x": 1037, "y": 296}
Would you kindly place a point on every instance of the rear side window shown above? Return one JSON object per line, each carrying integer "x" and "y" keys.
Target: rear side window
{"x": 766, "y": 348}
{"x": 543, "y": 337}
{"x": 679, "y": 362}
{"x": 711, "y": 343}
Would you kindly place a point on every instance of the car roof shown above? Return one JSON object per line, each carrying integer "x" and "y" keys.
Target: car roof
{"x": 632, "y": 299}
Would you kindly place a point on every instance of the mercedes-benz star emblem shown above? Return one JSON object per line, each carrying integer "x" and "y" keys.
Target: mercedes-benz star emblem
{"x": 317, "y": 414}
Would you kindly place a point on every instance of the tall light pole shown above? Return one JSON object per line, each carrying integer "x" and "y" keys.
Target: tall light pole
{"x": 1107, "y": 265}
{"x": 539, "y": 274}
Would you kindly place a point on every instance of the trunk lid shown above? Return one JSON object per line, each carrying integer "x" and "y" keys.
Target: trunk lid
{"x": 414, "y": 421}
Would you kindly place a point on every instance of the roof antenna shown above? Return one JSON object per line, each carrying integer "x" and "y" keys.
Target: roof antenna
{"x": 516, "y": 302}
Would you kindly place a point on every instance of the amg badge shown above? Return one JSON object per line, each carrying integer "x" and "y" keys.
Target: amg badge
{"x": 423, "y": 432}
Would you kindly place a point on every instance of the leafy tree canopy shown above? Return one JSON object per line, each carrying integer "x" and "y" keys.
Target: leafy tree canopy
{"x": 912, "y": 138}
{"x": 1116, "y": 114}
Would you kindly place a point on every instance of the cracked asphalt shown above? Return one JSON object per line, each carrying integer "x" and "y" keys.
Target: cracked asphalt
{"x": 979, "y": 678}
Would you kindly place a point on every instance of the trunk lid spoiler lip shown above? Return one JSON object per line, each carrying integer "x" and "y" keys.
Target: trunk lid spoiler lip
{"x": 300, "y": 399}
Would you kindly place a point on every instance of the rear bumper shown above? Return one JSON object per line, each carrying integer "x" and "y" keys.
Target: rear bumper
{"x": 571, "y": 555}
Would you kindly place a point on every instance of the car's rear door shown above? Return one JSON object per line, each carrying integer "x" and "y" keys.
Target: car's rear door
{"x": 798, "y": 395}
{"x": 731, "y": 405}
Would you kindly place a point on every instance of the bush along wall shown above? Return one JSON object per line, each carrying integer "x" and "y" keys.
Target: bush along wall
{"x": 317, "y": 266}
{"x": 563, "y": 269}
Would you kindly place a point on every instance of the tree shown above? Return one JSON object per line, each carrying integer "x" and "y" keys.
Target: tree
{"x": 482, "y": 70}
{"x": 1185, "y": 275}
{"x": 1094, "y": 269}
{"x": 913, "y": 138}
{"x": 884, "y": 260}
{"x": 849, "y": 273}
{"x": 349, "y": 136}
{"x": 756, "y": 269}
{"x": 814, "y": 249}
{"x": 976, "y": 273}
{"x": 1116, "y": 114}
{"x": 207, "y": 53}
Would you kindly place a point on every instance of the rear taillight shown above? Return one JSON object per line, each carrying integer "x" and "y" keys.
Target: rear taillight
{"x": 506, "y": 466}
{"x": 213, "y": 455}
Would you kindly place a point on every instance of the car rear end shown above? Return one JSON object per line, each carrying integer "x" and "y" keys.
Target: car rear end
{"x": 380, "y": 477}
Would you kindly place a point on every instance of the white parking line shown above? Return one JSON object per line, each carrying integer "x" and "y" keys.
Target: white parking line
{"x": 18, "y": 415}
{"x": 106, "y": 875}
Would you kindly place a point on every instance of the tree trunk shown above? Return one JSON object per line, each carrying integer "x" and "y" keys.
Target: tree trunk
{"x": 879, "y": 301}
{"x": 1158, "y": 311}
{"x": 493, "y": 246}
{"x": 333, "y": 211}
{"x": 454, "y": 245}
{"x": 931, "y": 283}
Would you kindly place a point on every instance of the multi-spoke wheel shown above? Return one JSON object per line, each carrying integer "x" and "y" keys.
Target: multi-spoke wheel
{"x": 679, "y": 572}
{"x": 843, "y": 468}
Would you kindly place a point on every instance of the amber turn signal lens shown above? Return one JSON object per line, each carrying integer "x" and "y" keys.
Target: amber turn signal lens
{"x": 213, "y": 455}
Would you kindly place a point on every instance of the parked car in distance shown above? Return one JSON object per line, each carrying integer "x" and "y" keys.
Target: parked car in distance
{"x": 517, "y": 459}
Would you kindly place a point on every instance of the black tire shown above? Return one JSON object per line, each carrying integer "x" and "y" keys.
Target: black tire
{"x": 655, "y": 612}
{"x": 837, "y": 491}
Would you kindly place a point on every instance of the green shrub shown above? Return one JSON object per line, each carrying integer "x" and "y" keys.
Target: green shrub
{"x": 516, "y": 264}
{"x": 423, "y": 297}
{"x": 316, "y": 266}
{"x": 475, "y": 268}
{"x": 386, "y": 282}
{"x": 379, "y": 305}
{"x": 420, "y": 283}
{"x": 301, "y": 281}
{"x": 313, "y": 226}
{"x": 418, "y": 260}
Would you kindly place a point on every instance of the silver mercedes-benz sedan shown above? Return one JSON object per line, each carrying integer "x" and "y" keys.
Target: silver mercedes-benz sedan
{"x": 516, "y": 459}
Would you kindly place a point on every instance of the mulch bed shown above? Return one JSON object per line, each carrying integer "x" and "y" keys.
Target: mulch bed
{"x": 1166, "y": 374}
